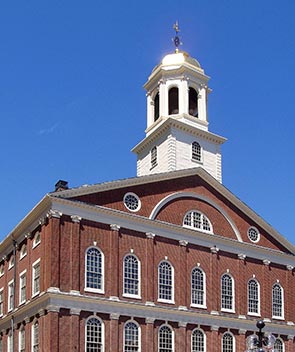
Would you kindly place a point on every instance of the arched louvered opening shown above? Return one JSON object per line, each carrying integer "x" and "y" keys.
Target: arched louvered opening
{"x": 173, "y": 101}
{"x": 156, "y": 107}
{"x": 193, "y": 102}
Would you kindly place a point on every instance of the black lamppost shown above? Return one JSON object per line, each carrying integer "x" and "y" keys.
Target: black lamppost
{"x": 261, "y": 342}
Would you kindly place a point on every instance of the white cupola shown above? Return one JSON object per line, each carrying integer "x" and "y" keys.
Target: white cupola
{"x": 177, "y": 135}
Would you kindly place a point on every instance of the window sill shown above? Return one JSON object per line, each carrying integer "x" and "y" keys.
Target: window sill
{"x": 152, "y": 167}
{"x": 165, "y": 301}
{"x": 227, "y": 310}
{"x": 254, "y": 314}
{"x": 278, "y": 318}
{"x": 94, "y": 290}
{"x": 35, "y": 294}
{"x": 198, "y": 306}
{"x": 197, "y": 161}
{"x": 128, "y": 295}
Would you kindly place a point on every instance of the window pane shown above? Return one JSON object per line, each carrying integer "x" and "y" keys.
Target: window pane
{"x": 198, "y": 341}
{"x": 197, "y": 287}
{"x": 94, "y": 269}
{"x": 131, "y": 275}
{"x": 227, "y": 292}
{"x": 131, "y": 337}
{"x": 165, "y": 281}
{"x": 165, "y": 339}
{"x": 94, "y": 335}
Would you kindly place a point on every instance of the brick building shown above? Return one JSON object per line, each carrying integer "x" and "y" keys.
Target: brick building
{"x": 167, "y": 261}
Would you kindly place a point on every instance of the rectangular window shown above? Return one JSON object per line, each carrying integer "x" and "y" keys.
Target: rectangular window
{"x": 22, "y": 340}
{"x": 35, "y": 337}
{"x": 36, "y": 278}
{"x": 22, "y": 287}
{"x": 9, "y": 343}
{"x": 10, "y": 295}
{"x": 1, "y": 302}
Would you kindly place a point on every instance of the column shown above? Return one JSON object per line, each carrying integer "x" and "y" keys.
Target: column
{"x": 214, "y": 281}
{"x": 182, "y": 276}
{"x": 149, "y": 279}
{"x": 241, "y": 340}
{"x": 202, "y": 103}
{"x": 149, "y": 338}
{"x": 75, "y": 254}
{"x": 181, "y": 337}
{"x": 114, "y": 262}
{"x": 28, "y": 333}
{"x": 42, "y": 328}
{"x": 52, "y": 329}
{"x": 114, "y": 332}
{"x": 163, "y": 95}
{"x": 75, "y": 329}
{"x": 241, "y": 302}
{"x": 214, "y": 343}
{"x": 54, "y": 255}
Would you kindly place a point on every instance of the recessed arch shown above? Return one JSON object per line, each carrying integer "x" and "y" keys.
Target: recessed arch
{"x": 192, "y": 195}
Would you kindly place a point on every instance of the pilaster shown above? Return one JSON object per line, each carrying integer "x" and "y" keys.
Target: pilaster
{"x": 149, "y": 338}
{"x": 114, "y": 332}
{"x": 149, "y": 279}
{"x": 113, "y": 280}
{"x": 75, "y": 253}
{"x": 182, "y": 275}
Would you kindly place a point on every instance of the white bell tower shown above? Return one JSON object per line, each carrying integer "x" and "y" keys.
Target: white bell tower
{"x": 177, "y": 135}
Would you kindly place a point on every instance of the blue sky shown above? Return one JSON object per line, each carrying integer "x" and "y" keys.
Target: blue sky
{"x": 72, "y": 104}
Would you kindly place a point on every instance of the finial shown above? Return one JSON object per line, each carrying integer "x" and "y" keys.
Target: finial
{"x": 176, "y": 39}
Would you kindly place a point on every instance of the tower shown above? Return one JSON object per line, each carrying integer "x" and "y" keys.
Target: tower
{"x": 177, "y": 135}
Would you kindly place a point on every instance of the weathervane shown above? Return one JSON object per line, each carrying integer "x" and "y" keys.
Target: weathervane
{"x": 176, "y": 39}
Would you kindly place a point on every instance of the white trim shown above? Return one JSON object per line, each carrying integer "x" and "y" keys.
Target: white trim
{"x": 172, "y": 336}
{"x": 90, "y": 289}
{"x": 102, "y": 331}
{"x": 258, "y": 234}
{"x": 204, "y": 335}
{"x": 129, "y": 295}
{"x": 177, "y": 195}
{"x": 33, "y": 334}
{"x": 139, "y": 333}
{"x": 36, "y": 293}
{"x": 22, "y": 254}
{"x": 202, "y": 218}
{"x": 233, "y": 339}
{"x": 137, "y": 198}
{"x": 1, "y": 270}
{"x": 11, "y": 262}
{"x": 278, "y": 317}
{"x": 259, "y": 298}
{"x": 2, "y": 302}
{"x": 20, "y": 287}
{"x": 204, "y": 305}
{"x": 232, "y": 310}
{"x": 22, "y": 329}
{"x": 37, "y": 239}
{"x": 11, "y": 288}
{"x": 169, "y": 301}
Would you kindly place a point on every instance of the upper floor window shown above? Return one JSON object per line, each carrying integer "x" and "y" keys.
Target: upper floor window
{"x": 279, "y": 345}
{"x": 165, "y": 339}
{"x": 131, "y": 275}
{"x": 253, "y": 234}
{"x": 132, "y": 201}
{"x": 173, "y": 101}
{"x": 166, "y": 282}
{"x": 1, "y": 302}
{"x": 1, "y": 269}
{"x": 94, "y": 269}
{"x": 35, "y": 336}
{"x": 94, "y": 335}
{"x": 37, "y": 239}
{"x": 277, "y": 301}
{"x": 11, "y": 262}
{"x": 22, "y": 287}
{"x": 36, "y": 278}
{"x": 196, "y": 152}
{"x": 196, "y": 220}
{"x": 157, "y": 107}
{"x": 228, "y": 342}
{"x": 154, "y": 157}
{"x": 253, "y": 297}
{"x": 198, "y": 287}
{"x": 23, "y": 251}
{"x": 227, "y": 293}
{"x": 131, "y": 337}
{"x": 10, "y": 295}
{"x": 198, "y": 341}
{"x": 193, "y": 102}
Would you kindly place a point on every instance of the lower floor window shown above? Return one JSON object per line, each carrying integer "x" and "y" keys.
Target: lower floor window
{"x": 94, "y": 335}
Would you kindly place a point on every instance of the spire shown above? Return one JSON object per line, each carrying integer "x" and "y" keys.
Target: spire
{"x": 176, "y": 39}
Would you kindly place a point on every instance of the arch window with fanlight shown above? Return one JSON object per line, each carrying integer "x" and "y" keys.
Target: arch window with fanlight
{"x": 131, "y": 337}
{"x": 253, "y": 297}
{"x": 197, "y": 220}
{"x": 198, "y": 341}
{"x": 165, "y": 282}
{"x": 196, "y": 152}
{"x": 198, "y": 285}
{"x": 228, "y": 342}
{"x": 131, "y": 269}
{"x": 277, "y": 301}
{"x": 227, "y": 293}
{"x": 165, "y": 339}
{"x": 94, "y": 270}
{"x": 193, "y": 102}
{"x": 94, "y": 335}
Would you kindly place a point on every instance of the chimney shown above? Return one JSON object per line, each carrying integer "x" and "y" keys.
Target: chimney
{"x": 61, "y": 185}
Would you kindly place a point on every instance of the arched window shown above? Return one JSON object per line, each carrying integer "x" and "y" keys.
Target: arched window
{"x": 198, "y": 287}
{"x": 277, "y": 301}
{"x": 173, "y": 101}
{"x": 196, "y": 220}
{"x": 94, "y": 269}
{"x": 165, "y": 281}
{"x": 193, "y": 102}
{"x": 157, "y": 107}
{"x": 279, "y": 345}
{"x": 131, "y": 337}
{"x": 198, "y": 341}
{"x": 23, "y": 251}
{"x": 196, "y": 151}
{"x": 253, "y": 297}
{"x": 131, "y": 275}
{"x": 154, "y": 160}
{"x": 94, "y": 335}
{"x": 227, "y": 293}
{"x": 228, "y": 342}
{"x": 165, "y": 340}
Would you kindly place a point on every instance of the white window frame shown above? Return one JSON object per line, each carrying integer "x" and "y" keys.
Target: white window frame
{"x": 282, "y": 316}
{"x": 9, "y": 342}
{"x": 22, "y": 275}
{"x": 258, "y": 297}
{"x": 233, "y": 342}
{"x": 204, "y": 288}
{"x": 92, "y": 289}
{"x": 1, "y": 301}
{"x": 1, "y": 269}
{"x": 102, "y": 332}
{"x": 154, "y": 157}
{"x": 35, "y": 341}
{"x": 23, "y": 251}
{"x": 10, "y": 300}
{"x": 138, "y": 335}
{"x": 203, "y": 218}
{"x": 170, "y": 301}
{"x": 253, "y": 228}
{"x": 37, "y": 239}
{"x": 132, "y": 295}
{"x": 36, "y": 292}
{"x": 224, "y": 309}
{"x": 278, "y": 339}
{"x": 22, "y": 340}
{"x": 196, "y": 155}
{"x": 204, "y": 340}
{"x": 172, "y": 337}
{"x": 11, "y": 262}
